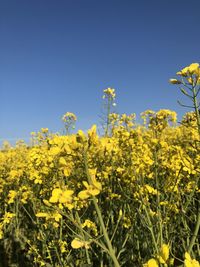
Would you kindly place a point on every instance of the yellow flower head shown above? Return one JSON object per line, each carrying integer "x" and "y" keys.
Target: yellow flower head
{"x": 174, "y": 81}
{"x": 69, "y": 116}
{"x": 189, "y": 262}
{"x": 164, "y": 254}
{"x": 42, "y": 215}
{"x": 189, "y": 70}
{"x": 109, "y": 93}
{"x": 151, "y": 263}
{"x": 44, "y": 130}
{"x": 77, "y": 243}
{"x": 91, "y": 190}
{"x": 56, "y": 193}
{"x": 60, "y": 196}
{"x": 12, "y": 194}
{"x": 8, "y": 217}
{"x": 193, "y": 68}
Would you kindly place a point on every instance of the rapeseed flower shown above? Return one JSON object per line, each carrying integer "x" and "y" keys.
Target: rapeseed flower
{"x": 91, "y": 190}
{"x": 62, "y": 196}
{"x": 151, "y": 263}
{"x": 78, "y": 243}
{"x": 189, "y": 262}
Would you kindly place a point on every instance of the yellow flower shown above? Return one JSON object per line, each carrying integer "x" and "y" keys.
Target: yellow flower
{"x": 151, "y": 190}
{"x": 190, "y": 80}
{"x": 12, "y": 194}
{"x": 62, "y": 197}
{"x": 189, "y": 262}
{"x": 77, "y": 243}
{"x": 189, "y": 70}
{"x": 25, "y": 196}
{"x": 69, "y": 116}
{"x": 151, "y": 263}
{"x": 62, "y": 161}
{"x": 81, "y": 138}
{"x": 57, "y": 216}
{"x": 7, "y": 217}
{"x": 56, "y": 193}
{"x": 63, "y": 245}
{"x": 193, "y": 68}
{"x": 183, "y": 72}
{"x": 91, "y": 190}
{"x": 66, "y": 196}
{"x": 42, "y": 215}
{"x": 46, "y": 202}
{"x": 109, "y": 93}
{"x": 164, "y": 254}
{"x": 1, "y": 231}
{"x": 44, "y": 130}
{"x": 91, "y": 225}
{"x": 174, "y": 81}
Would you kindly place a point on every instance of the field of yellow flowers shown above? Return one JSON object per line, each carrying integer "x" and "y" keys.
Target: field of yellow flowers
{"x": 128, "y": 197}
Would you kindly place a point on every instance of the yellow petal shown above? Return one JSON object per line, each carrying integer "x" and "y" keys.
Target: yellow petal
{"x": 160, "y": 259}
{"x": 83, "y": 194}
{"x": 179, "y": 73}
{"x": 77, "y": 243}
{"x": 187, "y": 256}
{"x": 41, "y": 214}
{"x": 97, "y": 185}
{"x": 69, "y": 206}
{"x": 193, "y": 67}
{"x": 190, "y": 80}
{"x": 93, "y": 191}
{"x": 81, "y": 138}
{"x": 57, "y": 217}
{"x": 65, "y": 196}
{"x": 46, "y": 202}
{"x": 188, "y": 263}
{"x": 184, "y": 72}
{"x": 55, "y": 195}
{"x": 62, "y": 161}
{"x": 92, "y": 131}
{"x": 85, "y": 184}
{"x": 152, "y": 263}
{"x": 195, "y": 263}
{"x": 174, "y": 81}
{"x": 67, "y": 171}
{"x": 164, "y": 252}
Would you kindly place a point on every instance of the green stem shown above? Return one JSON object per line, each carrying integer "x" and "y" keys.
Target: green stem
{"x": 83, "y": 237}
{"x": 107, "y": 117}
{"x": 196, "y": 108}
{"x": 197, "y": 226}
{"x": 106, "y": 237}
{"x": 195, "y": 234}
{"x": 150, "y": 226}
{"x": 112, "y": 253}
{"x": 158, "y": 199}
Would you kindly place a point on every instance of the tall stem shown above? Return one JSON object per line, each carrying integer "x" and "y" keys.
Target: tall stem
{"x": 107, "y": 117}
{"x": 106, "y": 237}
{"x": 197, "y": 226}
{"x": 196, "y": 108}
{"x": 99, "y": 214}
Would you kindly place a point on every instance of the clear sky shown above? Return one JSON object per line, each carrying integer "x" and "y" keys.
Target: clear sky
{"x": 58, "y": 56}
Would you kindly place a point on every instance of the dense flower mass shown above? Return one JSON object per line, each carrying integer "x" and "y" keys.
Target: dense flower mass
{"x": 151, "y": 168}
{"x": 127, "y": 198}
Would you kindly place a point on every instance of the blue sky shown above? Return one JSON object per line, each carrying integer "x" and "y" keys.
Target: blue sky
{"x": 58, "y": 56}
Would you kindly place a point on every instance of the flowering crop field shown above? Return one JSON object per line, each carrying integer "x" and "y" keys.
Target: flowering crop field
{"x": 128, "y": 197}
